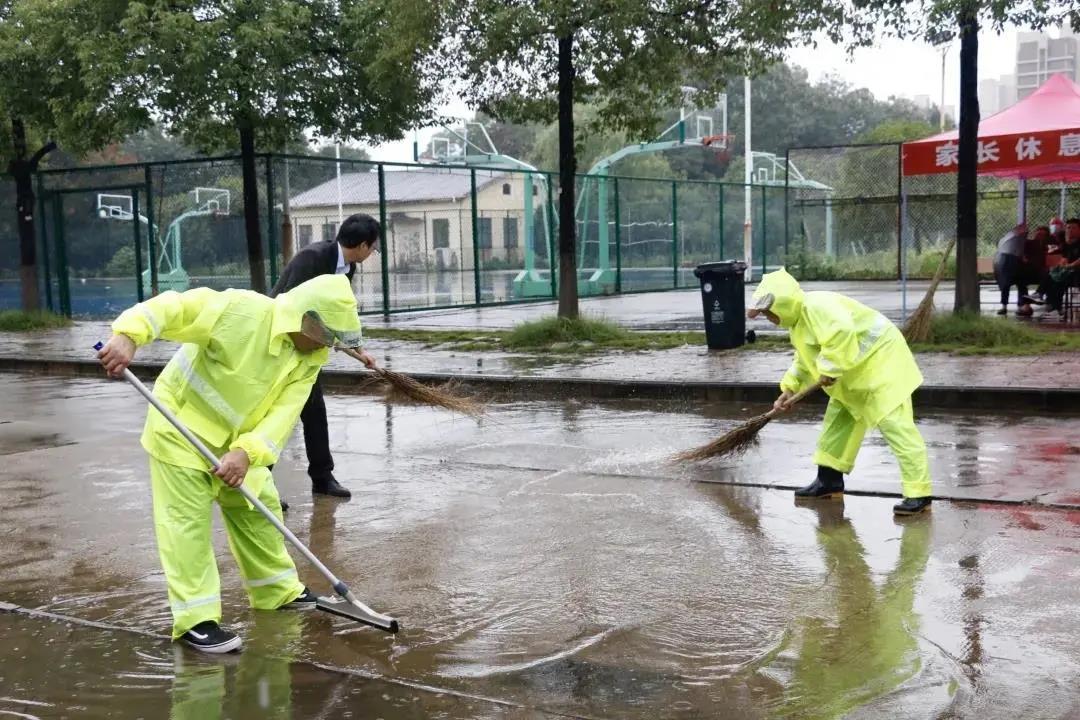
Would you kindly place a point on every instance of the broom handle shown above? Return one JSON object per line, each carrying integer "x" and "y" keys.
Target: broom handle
{"x": 798, "y": 396}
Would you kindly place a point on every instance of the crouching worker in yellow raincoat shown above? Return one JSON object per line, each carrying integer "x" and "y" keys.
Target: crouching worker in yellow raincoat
{"x": 239, "y": 383}
{"x": 865, "y": 366}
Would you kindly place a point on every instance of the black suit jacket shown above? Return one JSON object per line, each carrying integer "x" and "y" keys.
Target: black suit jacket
{"x": 316, "y": 259}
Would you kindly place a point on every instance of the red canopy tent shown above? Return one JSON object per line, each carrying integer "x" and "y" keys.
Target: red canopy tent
{"x": 1038, "y": 138}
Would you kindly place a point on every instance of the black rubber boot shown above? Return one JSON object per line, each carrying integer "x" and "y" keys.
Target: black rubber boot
{"x": 829, "y": 483}
{"x": 911, "y": 506}
{"x": 329, "y": 486}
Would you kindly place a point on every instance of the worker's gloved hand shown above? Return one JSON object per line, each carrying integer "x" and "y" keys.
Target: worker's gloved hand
{"x": 368, "y": 359}
{"x": 117, "y": 355}
{"x": 826, "y": 381}
{"x": 233, "y": 468}
{"x": 783, "y": 403}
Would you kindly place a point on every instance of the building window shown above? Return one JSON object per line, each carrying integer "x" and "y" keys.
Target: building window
{"x": 484, "y": 234}
{"x": 506, "y": 188}
{"x": 440, "y": 233}
{"x": 329, "y": 232}
{"x": 510, "y": 232}
{"x": 303, "y": 235}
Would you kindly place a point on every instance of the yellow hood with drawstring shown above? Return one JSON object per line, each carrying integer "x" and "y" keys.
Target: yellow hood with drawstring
{"x": 837, "y": 337}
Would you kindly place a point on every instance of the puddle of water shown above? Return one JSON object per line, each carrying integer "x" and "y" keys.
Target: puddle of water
{"x": 550, "y": 560}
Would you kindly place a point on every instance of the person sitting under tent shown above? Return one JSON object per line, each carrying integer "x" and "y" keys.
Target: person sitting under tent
{"x": 1067, "y": 274}
{"x": 238, "y": 383}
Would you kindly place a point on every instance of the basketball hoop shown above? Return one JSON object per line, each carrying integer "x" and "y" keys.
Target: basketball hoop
{"x": 721, "y": 144}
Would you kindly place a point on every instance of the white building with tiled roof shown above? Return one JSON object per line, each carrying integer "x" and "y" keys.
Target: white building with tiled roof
{"x": 428, "y": 213}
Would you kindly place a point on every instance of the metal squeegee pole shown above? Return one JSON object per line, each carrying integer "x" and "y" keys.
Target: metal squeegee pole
{"x": 339, "y": 587}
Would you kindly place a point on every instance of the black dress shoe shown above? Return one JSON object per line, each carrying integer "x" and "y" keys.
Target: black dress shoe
{"x": 329, "y": 486}
{"x": 829, "y": 483}
{"x": 911, "y": 506}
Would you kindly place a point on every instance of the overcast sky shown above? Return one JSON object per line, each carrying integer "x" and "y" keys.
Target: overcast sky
{"x": 893, "y": 67}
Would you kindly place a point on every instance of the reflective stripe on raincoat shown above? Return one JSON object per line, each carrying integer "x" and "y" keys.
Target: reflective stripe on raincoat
{"x": 841, "y": 338}
{"x": 238, "y": 382}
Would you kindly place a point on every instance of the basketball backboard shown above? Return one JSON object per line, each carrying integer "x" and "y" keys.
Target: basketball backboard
{"x": 455, "y": 140}
{"x": 114, "y": 207}
{"x": 215, "y": 200}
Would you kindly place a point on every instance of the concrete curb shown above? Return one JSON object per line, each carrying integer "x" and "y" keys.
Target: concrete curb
{"x": 1065, "y": 400}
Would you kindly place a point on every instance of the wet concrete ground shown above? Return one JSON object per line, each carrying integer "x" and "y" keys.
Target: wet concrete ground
{"x": 549, "y": 562}
{"x": 678, "y": 365}
{"x": 681, "y": 309}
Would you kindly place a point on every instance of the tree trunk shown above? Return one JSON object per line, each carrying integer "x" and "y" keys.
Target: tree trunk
{"x": 256, "y": 261}
{"x": 967, "y": 279}
{"x": 568, "y": 291}
{"x": 22, "y": 171}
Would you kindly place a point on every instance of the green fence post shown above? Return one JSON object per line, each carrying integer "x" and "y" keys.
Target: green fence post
{"x": 148, "y": 182}
{"x": 764, "y": 235}
{"x": 787, "y": 199}
{"x": 61, "y": 255}
{"x": 552, "y": 232}
{"x": 618, "y": 236}
{"x": 138, "y": 243}
{"x": 384, "y": 261}
{"x": 721, "y": 223}
{"x": 475, "y": 234}
{"x": 674, "y": 234}
{"x": 44, "y": 235}
{"x": 271, "y": 228}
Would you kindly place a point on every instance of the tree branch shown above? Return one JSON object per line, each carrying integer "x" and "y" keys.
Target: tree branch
{"x": 38, "y": 156}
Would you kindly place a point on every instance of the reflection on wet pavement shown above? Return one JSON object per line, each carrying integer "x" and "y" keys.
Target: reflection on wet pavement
{"x": 549, "y": 562}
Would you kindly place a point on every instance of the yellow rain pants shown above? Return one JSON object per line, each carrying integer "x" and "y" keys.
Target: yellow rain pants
{"x": 182, "y": 521}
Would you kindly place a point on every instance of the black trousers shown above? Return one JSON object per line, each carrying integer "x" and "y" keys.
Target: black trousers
{"x": 1008, "y": 271}
{"x": 317, "y": 434}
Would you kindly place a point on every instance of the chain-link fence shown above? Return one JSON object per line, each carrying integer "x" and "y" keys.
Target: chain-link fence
{"x": 850, "y": 214}
{"x": 458, "y": 236}
{"x": 454, "y": 236}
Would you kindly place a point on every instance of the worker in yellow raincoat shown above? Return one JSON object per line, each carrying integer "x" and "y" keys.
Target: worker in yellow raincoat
{"x": 865, "y": 366}
{"x": 239, "y": 382}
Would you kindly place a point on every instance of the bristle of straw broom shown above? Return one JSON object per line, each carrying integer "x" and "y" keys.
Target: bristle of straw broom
{"x": 731, "y": 444}
{"x": 917, "y": 327}
{"x": 415, "y": 390}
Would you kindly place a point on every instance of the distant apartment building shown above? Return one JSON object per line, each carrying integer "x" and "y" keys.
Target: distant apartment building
{"x": 996, "y": 94}
{"x": 1038, "y": 56}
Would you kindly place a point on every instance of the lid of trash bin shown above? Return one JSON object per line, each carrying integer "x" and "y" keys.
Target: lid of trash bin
{"x": 724, "y": 267}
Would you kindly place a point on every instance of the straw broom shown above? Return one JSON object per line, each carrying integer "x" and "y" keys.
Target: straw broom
{"x": 418, "y": 391}
{"x": 917, "y": 327}
{"x": 739, "y": 440}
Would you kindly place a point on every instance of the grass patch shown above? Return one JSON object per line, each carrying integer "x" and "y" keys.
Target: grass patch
{"x": 22, "y": 321}
{"x": 582, "y": 336}
{"x": 968, "y": 334}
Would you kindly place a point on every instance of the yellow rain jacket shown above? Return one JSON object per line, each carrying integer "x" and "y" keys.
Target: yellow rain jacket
{"x": 840, "y": 338}
{"x": 238, "y": 382}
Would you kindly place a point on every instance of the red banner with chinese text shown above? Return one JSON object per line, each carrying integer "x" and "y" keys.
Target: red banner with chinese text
{"x": 1023, "y": 155}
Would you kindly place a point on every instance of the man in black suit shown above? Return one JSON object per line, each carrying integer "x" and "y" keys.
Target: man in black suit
{"x": 357, "y": 239}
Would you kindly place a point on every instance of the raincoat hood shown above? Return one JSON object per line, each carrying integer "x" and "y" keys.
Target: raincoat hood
{"x": 330, "y": 297}
{"x": 787, "y": 296}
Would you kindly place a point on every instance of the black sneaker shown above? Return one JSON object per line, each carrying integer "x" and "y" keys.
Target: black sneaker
{"x": 208, "y": 637}
{"x": 911, "y": 506}
{"x": 829, "y": 483}
{"x": 306, "y": 601}
{"x": 329, "y": 486}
